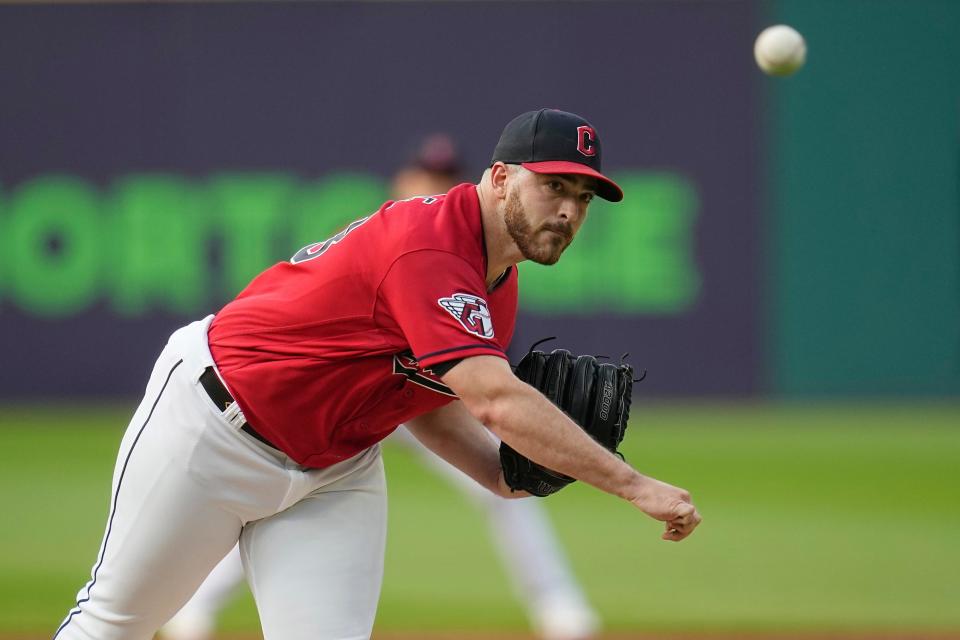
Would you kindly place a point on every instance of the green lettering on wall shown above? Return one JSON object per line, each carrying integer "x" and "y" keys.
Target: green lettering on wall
{"x": 158, "y": 246}
{"x": 253, "y": 211}
{"x": 52, "y": 246}
{"x": 636, "y": 256}
{"x": 321, "y": 208}
{"x": 147, "y": 244}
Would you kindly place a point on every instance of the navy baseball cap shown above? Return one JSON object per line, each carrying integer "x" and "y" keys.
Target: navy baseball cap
{"x": 552, "y": 141}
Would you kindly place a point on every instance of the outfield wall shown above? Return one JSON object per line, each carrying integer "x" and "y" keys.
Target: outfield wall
{"x": 865, "y": 182}
{"x": 154, "y": 157}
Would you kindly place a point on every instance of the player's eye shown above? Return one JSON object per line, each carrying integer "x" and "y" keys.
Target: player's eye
{"x": 555, "y": 186}
{"x": 587, "y": 197}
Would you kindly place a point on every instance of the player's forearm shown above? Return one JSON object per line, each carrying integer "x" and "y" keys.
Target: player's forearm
{"x": 531, "y": 424}
{"x": 454, "y": 435}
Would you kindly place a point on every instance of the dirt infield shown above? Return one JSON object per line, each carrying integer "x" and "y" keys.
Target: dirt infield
{"x": 732, "y": 635}
{"x": 753, "y": 635}
{"x": 925, "y": 635}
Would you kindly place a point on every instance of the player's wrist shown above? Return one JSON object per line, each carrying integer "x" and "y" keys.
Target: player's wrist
{"x": 636, "y": 487}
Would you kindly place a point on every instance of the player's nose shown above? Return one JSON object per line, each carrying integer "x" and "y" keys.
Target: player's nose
{"x": 570, "y": 210}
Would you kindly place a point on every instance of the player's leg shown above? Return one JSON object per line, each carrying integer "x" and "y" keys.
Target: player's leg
{"x": 316, "y": 568}
{"x": 163, "y": 532}
{"x": 185, "y": 482}
{"x": 197, "y": 619}
{"x": 527, "y": 544}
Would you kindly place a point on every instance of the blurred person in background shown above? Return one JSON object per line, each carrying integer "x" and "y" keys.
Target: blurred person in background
{"x": 539, "y": 571}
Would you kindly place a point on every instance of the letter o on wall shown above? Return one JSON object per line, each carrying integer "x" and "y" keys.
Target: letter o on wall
{"x": 53, "y": 246}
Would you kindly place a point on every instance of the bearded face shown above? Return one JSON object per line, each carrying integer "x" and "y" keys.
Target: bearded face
{"x": 542, "y": 244}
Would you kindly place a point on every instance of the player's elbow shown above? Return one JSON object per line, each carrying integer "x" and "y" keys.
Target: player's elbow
{"x": 485, "y": 408}
{"x": 497, "y": 410}
{"x": 491, "y": 407}
{"x": 487, "y": 388}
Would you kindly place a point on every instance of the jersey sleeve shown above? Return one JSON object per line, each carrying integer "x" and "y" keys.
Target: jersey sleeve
{"x": 438, "y": 301}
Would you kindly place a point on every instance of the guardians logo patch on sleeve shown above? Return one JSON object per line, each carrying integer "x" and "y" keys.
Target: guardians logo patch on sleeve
{"x": 471, "y": 311}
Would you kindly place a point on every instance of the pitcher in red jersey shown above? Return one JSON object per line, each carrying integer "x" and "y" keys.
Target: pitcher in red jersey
{"x": 261, "y": 423}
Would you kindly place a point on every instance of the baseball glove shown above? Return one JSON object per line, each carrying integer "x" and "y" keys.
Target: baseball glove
{"x": 596, "y": 395}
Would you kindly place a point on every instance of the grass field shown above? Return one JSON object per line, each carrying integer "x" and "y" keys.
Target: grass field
{"x": 816, "y": 517}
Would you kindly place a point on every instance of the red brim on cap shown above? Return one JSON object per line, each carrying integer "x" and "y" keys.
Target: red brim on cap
{"x": 606, "y": 188}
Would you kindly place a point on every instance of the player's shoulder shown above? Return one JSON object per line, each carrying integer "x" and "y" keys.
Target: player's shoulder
{"x": 449, "y": 221}
{"x": 416, "y": 204}
{"x": 459, "y": 197}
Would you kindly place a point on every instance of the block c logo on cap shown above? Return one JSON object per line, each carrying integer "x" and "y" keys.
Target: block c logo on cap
{"x": 587, "y": 141}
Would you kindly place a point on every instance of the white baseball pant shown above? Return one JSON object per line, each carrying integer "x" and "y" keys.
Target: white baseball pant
{"x": 188, "y": 484}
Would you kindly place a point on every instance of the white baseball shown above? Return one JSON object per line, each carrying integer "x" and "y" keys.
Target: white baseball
{"x": 780, "y": 50}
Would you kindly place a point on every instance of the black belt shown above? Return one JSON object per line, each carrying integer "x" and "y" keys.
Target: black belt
{"x": 210, "y": 382}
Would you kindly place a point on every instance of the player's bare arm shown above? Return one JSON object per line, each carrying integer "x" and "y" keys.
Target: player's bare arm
{"x": 455, "y": 435}
{"x": 523, "y": 418}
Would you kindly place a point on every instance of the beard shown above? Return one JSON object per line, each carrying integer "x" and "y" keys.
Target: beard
{"x": 538, "y": 245}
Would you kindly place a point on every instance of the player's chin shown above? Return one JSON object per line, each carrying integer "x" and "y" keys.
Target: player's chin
{"x": 549, "y": 252}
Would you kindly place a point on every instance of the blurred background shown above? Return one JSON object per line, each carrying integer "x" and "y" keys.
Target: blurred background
{"x": 786, "y": 266}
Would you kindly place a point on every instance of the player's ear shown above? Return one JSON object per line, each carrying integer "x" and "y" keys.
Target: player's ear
{"x": 498, "y": 179}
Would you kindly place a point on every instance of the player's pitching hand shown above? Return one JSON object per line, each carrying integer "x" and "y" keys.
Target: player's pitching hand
{"x": 671, "y": 505}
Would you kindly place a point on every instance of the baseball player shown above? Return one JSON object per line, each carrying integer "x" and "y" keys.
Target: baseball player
{"x": 556, "y": 605}
{"x": 261, "y": 423}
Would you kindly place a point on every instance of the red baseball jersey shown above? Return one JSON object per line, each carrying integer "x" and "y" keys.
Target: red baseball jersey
{"x": 327, "y": 353}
